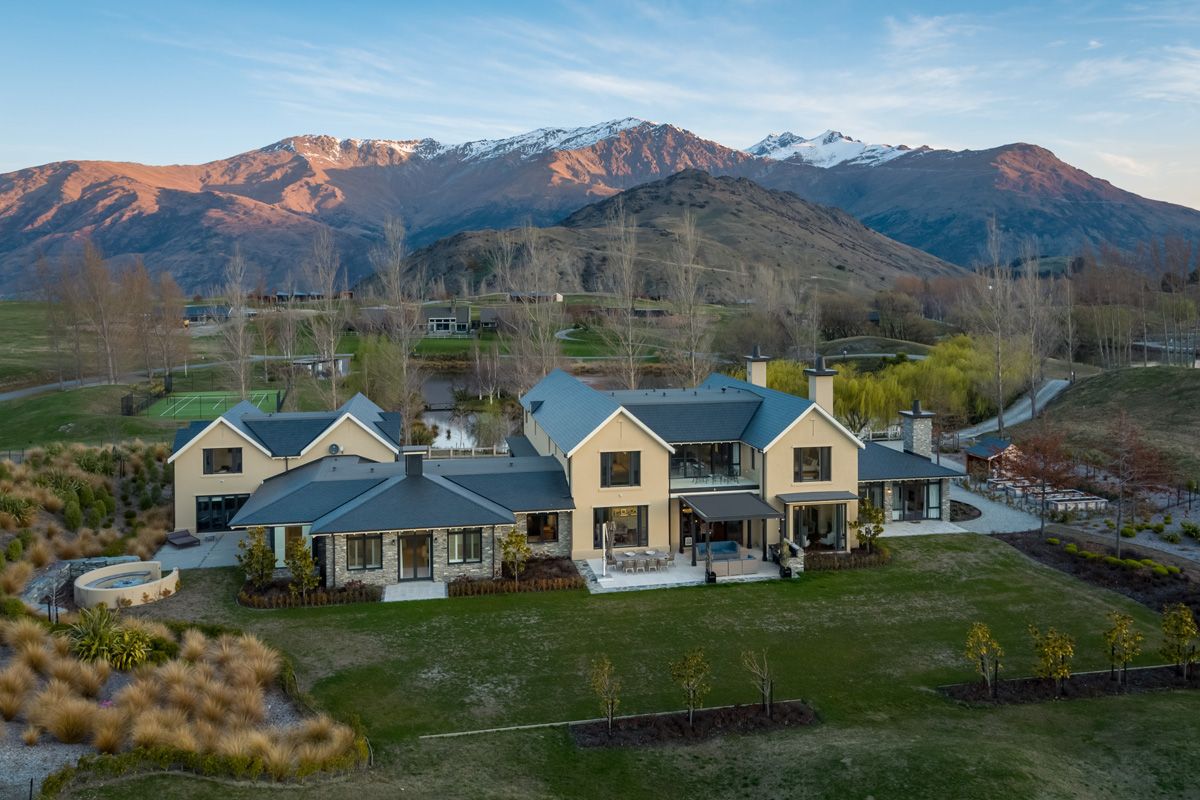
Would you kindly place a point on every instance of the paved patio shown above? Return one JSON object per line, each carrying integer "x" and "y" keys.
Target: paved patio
{"x": 923, "y": 527}
{"x": 414, "y": 590}
{"x": 749, "y": 567}
{"x": 221, "y": 551}
{"x": 996, "y": 517}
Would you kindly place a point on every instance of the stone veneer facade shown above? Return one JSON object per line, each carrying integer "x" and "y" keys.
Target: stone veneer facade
{"x": 337, "y": 574}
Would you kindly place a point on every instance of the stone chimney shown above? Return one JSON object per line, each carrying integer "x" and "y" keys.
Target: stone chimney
{"x": 916, "y": 430}
{"x": 414, "y": 460}
{"x": 820, "y": 384}
{"x": 756, "y": 368}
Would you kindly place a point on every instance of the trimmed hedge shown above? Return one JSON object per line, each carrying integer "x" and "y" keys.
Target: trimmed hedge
{"x": 473, "y": 587}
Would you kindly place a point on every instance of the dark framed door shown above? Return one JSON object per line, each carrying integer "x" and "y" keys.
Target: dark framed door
{"x": 416, "y": 558}
{"x": 213, "y": 512}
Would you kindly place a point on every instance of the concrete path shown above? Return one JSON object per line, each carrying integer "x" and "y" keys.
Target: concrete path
{"x": 222, "y": 551}
{"x": 924, "y": 527}
{"x": 1020, "y": 411}
{"x": 416, "y": 590}
{"x": 996, "y": 517}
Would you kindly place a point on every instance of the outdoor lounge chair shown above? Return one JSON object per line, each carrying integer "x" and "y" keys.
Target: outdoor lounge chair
{"x": 182, "y": 539}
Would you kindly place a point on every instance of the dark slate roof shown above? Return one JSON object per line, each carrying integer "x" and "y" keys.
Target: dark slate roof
{"x": 413, "y": 503}
{"x": 460, "y": 312}
{"x": 567, "y": 409}
{"x": 729, "y": 506}
{"x": 189, "y": 432}
{"x": 519, "y": 446}
{"x": 774, "y": 415}
{"x": 519, "y": 484}
{"x": 988, "y": 447}
{"x": 306, "y": 493}
{"x": 816, "y": 497}
{"x": 880, "y": 463}
{"x": 287, "y": 434}
{"x": 692, "y": 415}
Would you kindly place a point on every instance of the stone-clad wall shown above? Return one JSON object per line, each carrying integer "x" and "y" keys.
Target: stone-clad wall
{"x": 337, "y": 574}
{"x": 560, "y": 548}
{"x": 444, "y": 571}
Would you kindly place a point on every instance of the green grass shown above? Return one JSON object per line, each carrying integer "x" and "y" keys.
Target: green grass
{"x": 865, "y": 648}
{"x": 872, "y": 344}
{"x": 1163, "y": 400}
{"x": 26, "y": 353}
{"x": 91, "y": 415}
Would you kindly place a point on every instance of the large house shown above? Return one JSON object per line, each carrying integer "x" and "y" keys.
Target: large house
{"x": 594, "y": 473}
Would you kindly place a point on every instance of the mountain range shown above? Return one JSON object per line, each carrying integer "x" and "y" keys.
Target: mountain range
{"x": 271, "y": 201}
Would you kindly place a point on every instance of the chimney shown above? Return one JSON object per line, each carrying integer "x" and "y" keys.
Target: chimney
{"x": 916, "y": 430}
{"x": 414, "y": 460}
{"x": 756, "y": 368}
{"x": 820, "y": 384}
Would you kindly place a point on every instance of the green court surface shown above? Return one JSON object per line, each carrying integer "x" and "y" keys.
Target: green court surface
{"x": 206, "y": 405}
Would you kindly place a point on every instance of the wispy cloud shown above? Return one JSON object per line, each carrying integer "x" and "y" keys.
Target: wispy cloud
{"x": 1126, "y": 164}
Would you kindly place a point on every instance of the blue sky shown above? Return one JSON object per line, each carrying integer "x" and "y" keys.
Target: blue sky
{"x": 1111, "y": 87}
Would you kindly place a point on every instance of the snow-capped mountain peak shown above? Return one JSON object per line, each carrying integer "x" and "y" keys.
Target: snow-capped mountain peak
{"x": 544, "y": 140}
{"x": 826, "y": 149}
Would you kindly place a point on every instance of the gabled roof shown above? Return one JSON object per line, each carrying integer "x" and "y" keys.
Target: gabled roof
{"x": 413, "y": 503}
{"x": 878, "y": 462}
{"x": 988, "y": 447}
{"x": 568, "y": 410}
{"x": 519, "y": 484}
{"x": 188, "y": 432}
{"x": 302, "y": 495}
{"x": 289, "y": 434}
{"x": 778, "y": 412}
{"x": 692, "y": 415}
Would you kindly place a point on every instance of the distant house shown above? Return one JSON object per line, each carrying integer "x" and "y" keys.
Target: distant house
{"x": 320, "y": 367}
{"x": 985, "y": 457}
{"x": 200, "y": 314}
{"x": 451, "y": 320}
{"x": 489, "y": 319}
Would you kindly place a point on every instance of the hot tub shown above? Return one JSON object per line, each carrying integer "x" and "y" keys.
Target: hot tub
{"x": 126, "y": 584}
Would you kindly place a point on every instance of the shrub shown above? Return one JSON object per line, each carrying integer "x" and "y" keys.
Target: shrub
{"x": 15, "y": 576}
{"x": 1190, "y": 528}
{"x": 192, "y": 645}
{"x": 1159, "y": 527}
{"x": 25, "y": 631}
{"x": 14, "y": 550}
{"x": 17, "y": 679}
{"x": 1052, "y": 540}
{"x": 31, "y": 735}
{"x": 93, "y": 635}
{"x": 130, "y": 648}
{"x": 72, "y": 515}
{"x": 1111, "y": 524}
{"x": 1160, "y": 570}
{"x": 1112, "y": 561}
{"x": 70, "y": 719}
{"x": 1167, "y": 518}
{"x": 108, "y": 730}
{"x": 1128, "y": 532}
{"x": 1089, "y": 555}
{"x": 1132, "y": 563}
{"x": 1173, "y": 570}
{"x": 1071, "y": 548}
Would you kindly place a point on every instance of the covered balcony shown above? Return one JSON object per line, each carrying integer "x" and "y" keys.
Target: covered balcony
{"x": 714, "y": 465}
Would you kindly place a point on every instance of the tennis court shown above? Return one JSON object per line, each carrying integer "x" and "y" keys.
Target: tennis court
{"x": 207, "y": 405}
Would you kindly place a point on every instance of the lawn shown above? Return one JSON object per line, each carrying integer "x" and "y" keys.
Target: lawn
{"x": 26, "y": 353}
{"x": 91, "y": 415}
{"x": 865, "y": 648}
{"x": 1163, "y": 400}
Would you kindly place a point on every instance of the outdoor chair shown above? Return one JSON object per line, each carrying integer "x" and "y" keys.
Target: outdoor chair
{"x": 670, "y": 561}
{"x": 652, "y": 564}
{"x": 639, "y": 565}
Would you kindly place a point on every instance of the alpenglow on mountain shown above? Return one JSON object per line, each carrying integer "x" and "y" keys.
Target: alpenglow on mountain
{"x": 272, "y": 201}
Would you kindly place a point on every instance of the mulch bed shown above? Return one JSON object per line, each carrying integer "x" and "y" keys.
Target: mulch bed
{"x": 658, "y": 729}
{"x": 1096, "y": 684}
{"x": 961, "y": 512}
{"x": 545, "y": 567}
{"x": 1152, "y": 591}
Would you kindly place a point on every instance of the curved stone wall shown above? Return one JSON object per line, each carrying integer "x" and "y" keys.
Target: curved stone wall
{"x": 155, "y": 585}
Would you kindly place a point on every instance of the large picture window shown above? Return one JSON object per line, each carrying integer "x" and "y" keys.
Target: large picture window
{"x": 465, "y": 546}
{"x": 222, "y": 460}
{"x": 542, "y": 527}
{"x": 811, "y": 464}
{"x": 213, "y": 512}
{"x": 627, "y": 526}
{"x": 621, "y": 469}
{"x": 364, "y": 552}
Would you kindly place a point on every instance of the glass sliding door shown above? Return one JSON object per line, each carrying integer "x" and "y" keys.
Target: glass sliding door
{"x": 416, "y": 554}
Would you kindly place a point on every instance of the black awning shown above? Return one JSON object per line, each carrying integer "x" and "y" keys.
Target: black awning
{"x": 816, "y": 497}
{"x": 729, "y": 506}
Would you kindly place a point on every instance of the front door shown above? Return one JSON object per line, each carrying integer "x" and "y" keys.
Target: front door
{"x": 416, "y": 553}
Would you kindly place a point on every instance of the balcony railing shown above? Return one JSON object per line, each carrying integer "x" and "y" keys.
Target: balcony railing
{"x": 697, "y": 477}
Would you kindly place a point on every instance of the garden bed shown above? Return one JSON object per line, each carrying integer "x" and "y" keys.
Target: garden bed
{"x": 1091, "y": 684}
{"x": 961, "y": 512}
{"x": 856, "y": 559}
{"x": 654, "y": 729}
{"x": 544, "y": 574}
{"x": 278, "y": 595}
{"x": 1143, "y": 585}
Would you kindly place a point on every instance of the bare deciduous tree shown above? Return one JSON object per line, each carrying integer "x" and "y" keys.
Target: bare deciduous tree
{"x": 172, "y": 339}
{"x": 989, "y": 305}
{"x": 685, "y": 289}
{"x": 100, "y": 305}
{"x": 324, "y": 279}
{"x": 236, "y": 333}
{"x": 623, "y": 330}
{"x": 533, "y": 319}
{"x": 1043, "y": 328}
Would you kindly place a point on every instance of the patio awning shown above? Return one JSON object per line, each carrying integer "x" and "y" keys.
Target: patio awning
{"x": 729, "y": 506}
{"x": 816, "y": 497}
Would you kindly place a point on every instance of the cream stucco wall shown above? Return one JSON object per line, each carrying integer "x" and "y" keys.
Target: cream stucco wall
{"x": 620, "y": 433}
{"x": 813, "y": 430}
{"x": 257, "y": 466}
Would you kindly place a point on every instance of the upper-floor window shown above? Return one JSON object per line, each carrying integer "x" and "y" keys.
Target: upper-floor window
{"x": 219, "y": 460}
{"x": 810, "y": 464}
{"x": 465, "y": 546}
{"x": 621, "y": 469}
